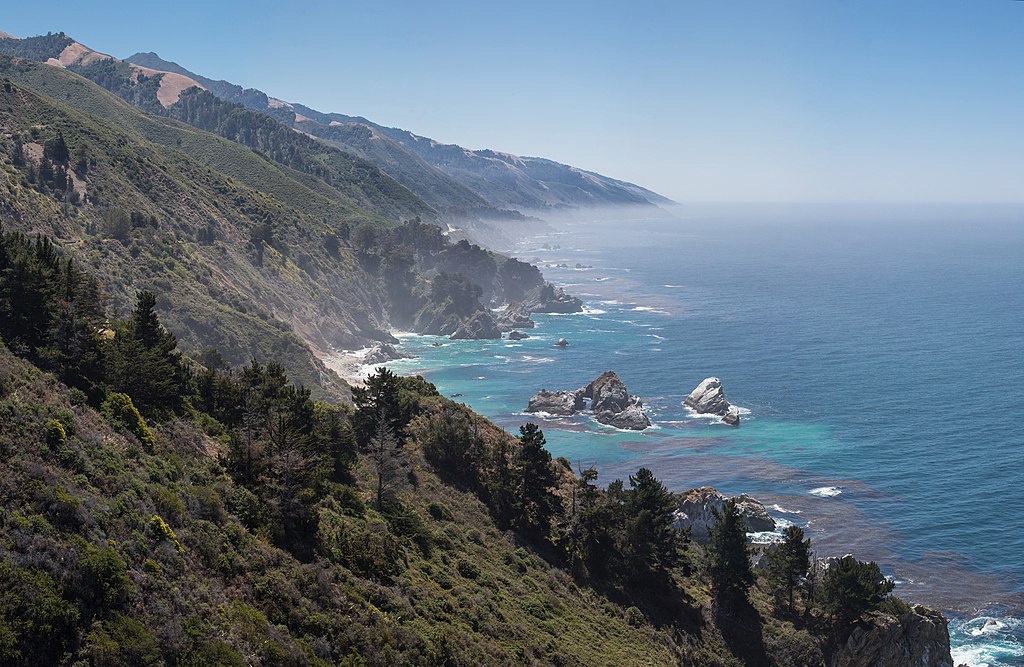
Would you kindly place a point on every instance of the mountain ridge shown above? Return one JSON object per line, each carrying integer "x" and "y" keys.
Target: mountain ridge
{"x": 563, "y": 186}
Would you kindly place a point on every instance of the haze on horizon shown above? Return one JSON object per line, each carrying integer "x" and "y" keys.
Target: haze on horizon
{"x": 915, "y": 101}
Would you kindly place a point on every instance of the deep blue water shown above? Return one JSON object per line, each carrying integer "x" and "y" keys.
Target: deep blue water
{"x": 879, "y": 353}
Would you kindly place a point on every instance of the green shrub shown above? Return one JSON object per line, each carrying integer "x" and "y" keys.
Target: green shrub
{"x": 165, "y": 532}
{"x": 104, "y": 577}
{"x": 56, "y": 436}
{"x": 439, "y": 511}
{"x": 635, "y": 617}
{"x": 36, "y": 623}
{"x": 122, "y": 640}
{"x": 122, "y": 413}
{"x": 467, "y": 569}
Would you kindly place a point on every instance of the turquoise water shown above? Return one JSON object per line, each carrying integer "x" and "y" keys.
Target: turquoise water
{"x": 878, "y": 352}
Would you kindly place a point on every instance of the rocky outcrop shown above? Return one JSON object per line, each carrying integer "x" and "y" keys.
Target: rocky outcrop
{"x": 562, "y": 342}
{"x": 557, "y": 402}
{"x": 917, "y": 638}
{"x": 517, "y": 335}
{"x": 610, "y": 403}
{"x": 630, "y": 418}
{"x": 382, "y": 353}
{"x": 549, "y": 299}
{"x": 515, "y": 316}
{"x": 477, "y": 326}
{"x": 697, "y": 513}
{"x": 709, "y": 399}
{"x": 607, "y": 392}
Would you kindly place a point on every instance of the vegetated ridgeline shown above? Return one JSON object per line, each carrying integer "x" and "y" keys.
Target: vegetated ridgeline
{"x": 156, "y": 511}
{"x": 161, "y": 509}
{"x": 269, "y": 273}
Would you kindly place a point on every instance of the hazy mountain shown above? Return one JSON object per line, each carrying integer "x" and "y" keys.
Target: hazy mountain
{"x": 499, "y": 180}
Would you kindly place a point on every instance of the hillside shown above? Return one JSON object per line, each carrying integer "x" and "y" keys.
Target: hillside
{"x": 358, "y": 182}
{"x": 155, "y": 204}
{"x": 499, "y": 180}
{"x": 158, "y": 511}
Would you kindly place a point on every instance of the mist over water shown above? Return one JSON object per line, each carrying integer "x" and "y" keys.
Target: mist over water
{"x": 877, "y": 349}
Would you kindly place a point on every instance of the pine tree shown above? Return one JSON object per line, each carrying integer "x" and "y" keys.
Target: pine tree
{"x": 789, "y": 562}
{"x": 851, "y": 588}
{"x": 729, "y": 559}
{"x": 536, "y": 503}
{"x": 653, "y": 542}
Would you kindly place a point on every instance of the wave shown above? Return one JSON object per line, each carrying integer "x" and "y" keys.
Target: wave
{"x": 594, "y": 311}
{"x": 651, "y": 309}
{"x": 826, "y": 491}
{"x": 780, "y": 508}
{"x": 537, "y": 360}
{"x": 987, "y": 641}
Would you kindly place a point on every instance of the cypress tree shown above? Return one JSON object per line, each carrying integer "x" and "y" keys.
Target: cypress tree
{"x": 729, "y": 559}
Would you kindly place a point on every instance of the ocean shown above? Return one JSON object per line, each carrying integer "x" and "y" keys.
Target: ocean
{"x": 878, "y": 350}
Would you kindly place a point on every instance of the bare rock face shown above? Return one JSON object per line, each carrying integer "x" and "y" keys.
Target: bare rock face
{"x": 515, "y": 316}
{"x": 631, "y": 418}
{"x": 556, "y": 402}
{"x": 382, "y": 353}
{"x": 708, "y": 398}
{"x": 477, "y": 326}
{"x": 607, "y": 392}
{"x": 697, "y": 513}
{"x": 917, "y": 638}
{"x": 549, "y": 299}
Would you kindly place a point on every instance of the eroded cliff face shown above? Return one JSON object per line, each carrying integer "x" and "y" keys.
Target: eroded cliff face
{"x": 917, "y": 638}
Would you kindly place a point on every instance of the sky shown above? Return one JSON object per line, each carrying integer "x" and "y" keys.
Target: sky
{"x": 711, "y": 100}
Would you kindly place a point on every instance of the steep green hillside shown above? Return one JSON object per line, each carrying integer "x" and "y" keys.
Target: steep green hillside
{"x": 357, "y": 182}
{"x": 159, "y": 513}
{"x": 237, "y": 268}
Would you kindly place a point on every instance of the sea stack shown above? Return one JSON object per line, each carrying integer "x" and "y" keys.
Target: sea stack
{"x": 709, "y": 399}
{"x": 610, "y": 403}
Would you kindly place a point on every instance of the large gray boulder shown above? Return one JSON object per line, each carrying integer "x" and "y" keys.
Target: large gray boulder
{"x": 697, "y": 513}
{"x": 607, "y": 393}
{"x": 708, "y": 398}
{"x": 631, "y": 418}
{"x": 556, "y": 402}
{"x": 477, "y": 326}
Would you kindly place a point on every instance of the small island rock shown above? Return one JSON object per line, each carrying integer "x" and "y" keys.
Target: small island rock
{"x": 562, "y": 342}
{"x": 517, "y": 335}
{"x": 382, "y": 353}
{"x": 556, "y": 402}
{"x": 549, "y": 299}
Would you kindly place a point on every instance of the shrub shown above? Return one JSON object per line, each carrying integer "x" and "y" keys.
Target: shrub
{"x": 467, "y": 569}
{"x": 104, "y": 578}
{"x": 122, "y": 413}
{"x": 439, "y": 511}
{"x": 56, "y": 436}
{"x": 635, "y": 617}
{"x": 35, "y": 621}
{"x": 165, "y": 532}
{"x": 122, "y": 640}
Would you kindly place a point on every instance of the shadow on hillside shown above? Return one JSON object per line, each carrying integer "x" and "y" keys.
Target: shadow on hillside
{"x": 740, "y": 625}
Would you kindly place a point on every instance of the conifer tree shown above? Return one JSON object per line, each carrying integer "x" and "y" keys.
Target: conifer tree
{"x": 729, "y": 559}
{"x": 536, "y": 503}
{"x": 789, "y": 562}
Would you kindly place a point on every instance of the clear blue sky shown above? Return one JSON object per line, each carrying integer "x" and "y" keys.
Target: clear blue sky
{"x": 716, "y": 100}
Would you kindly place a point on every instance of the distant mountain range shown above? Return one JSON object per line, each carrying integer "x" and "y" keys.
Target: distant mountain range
{"x": 456, "y": 182}
{"x": 447, "y": 176}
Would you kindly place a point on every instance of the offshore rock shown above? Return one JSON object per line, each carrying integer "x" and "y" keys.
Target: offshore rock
{"x": 549, "y": 299}
{"x": 477, "y": 326}
{"x": 732, "y": 416}
{"x": 562, "y": 342}
{"x": 607, "y": 393}
{"x": 918, "y": 638}
{"x": 697, "y": 513}
{"x": 517, "y": 335}
{"x": 515, "y": 316}
{"x": 708, "y": 398}
{"x": 557, "y": 402}
{"x": 630, "y": 418}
